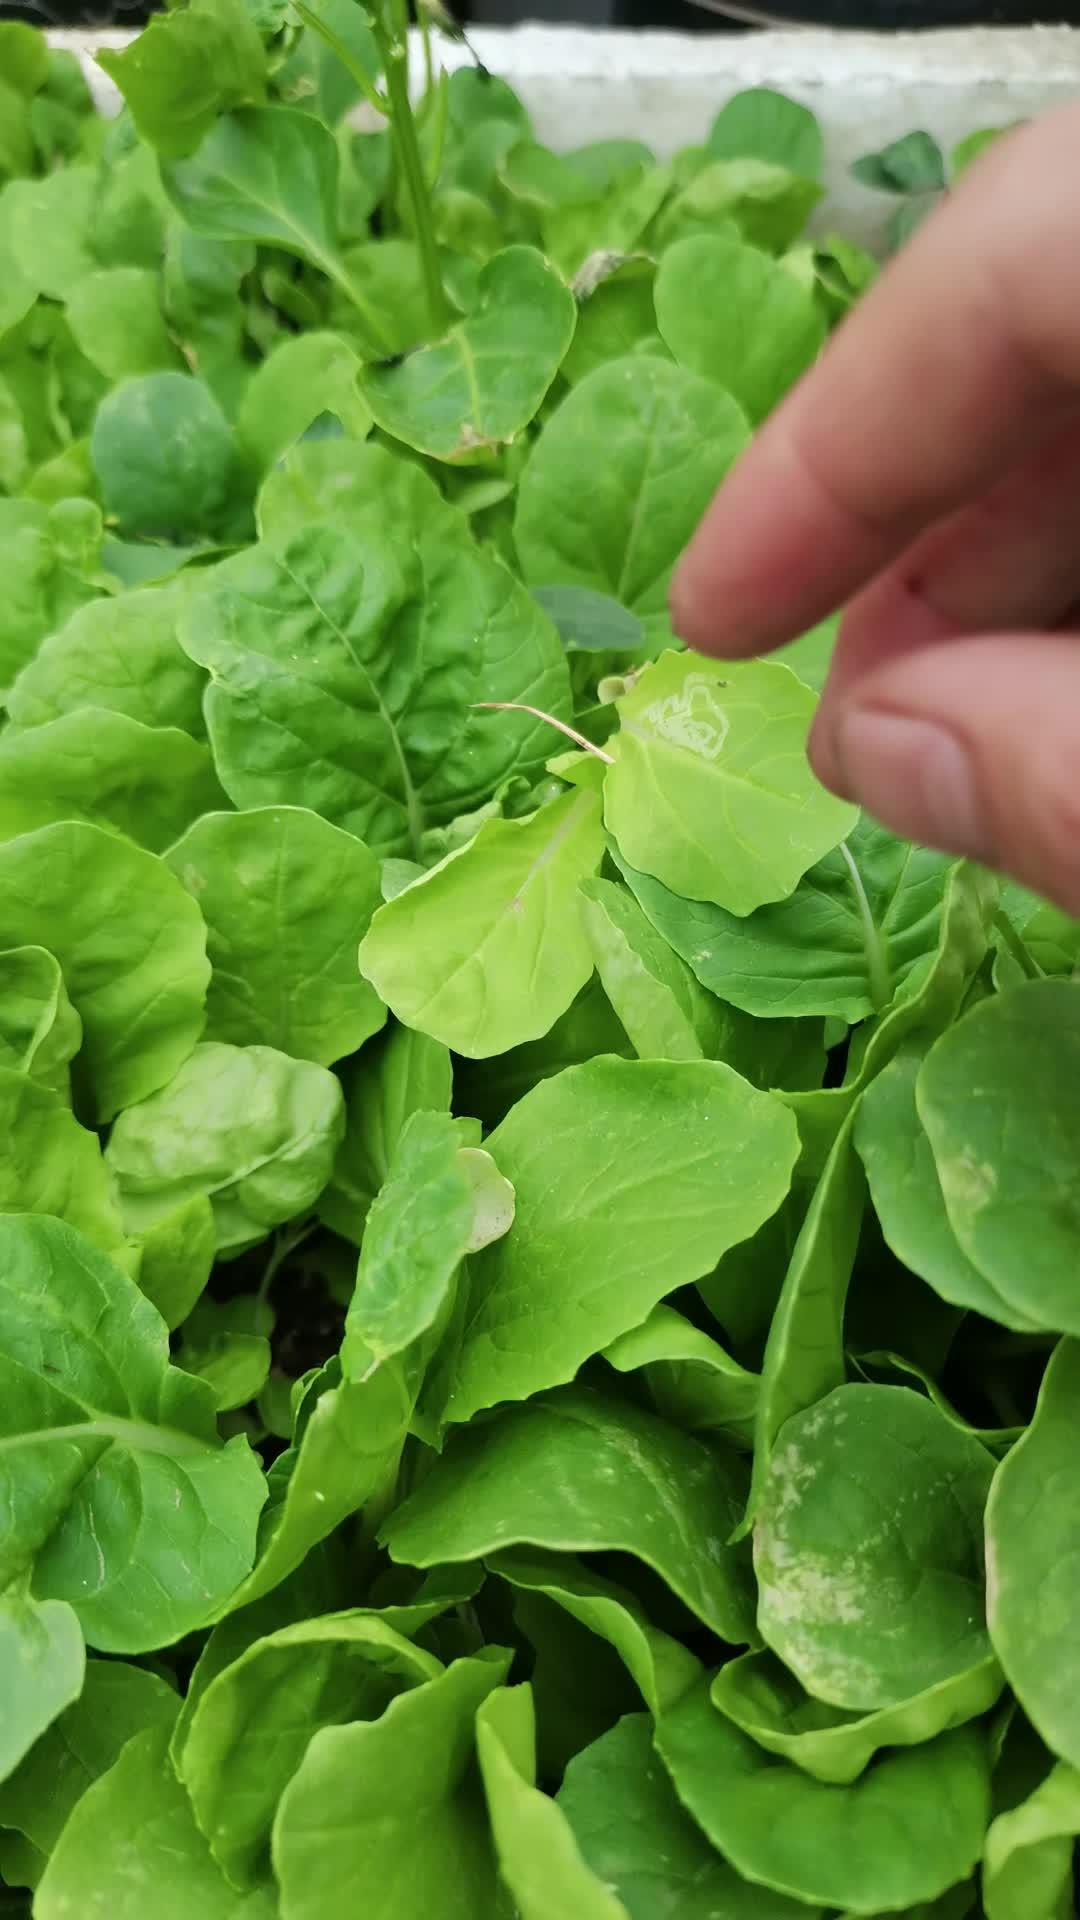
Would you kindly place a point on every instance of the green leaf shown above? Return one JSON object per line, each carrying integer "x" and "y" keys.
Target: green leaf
{"x": 913, "y": 164}
{"x": 285, "y": 897}
{"x": 41, "y": 588}
{"x": 766, "y": 205}
{"x": 602, "y": 1233}
{"x": 1015, "y": 1214}
{"x": 906, "y": 1193}
{"x": 267, "y": 174}
{"x": 131, "y": 1847}
{"x": 249, "y": 1127}
{"x": 1030, "y": 1528}
{"x": 50, "y": 1164}
{"x": 48, "y": 223}
{"x": 660, "y": 1666}
{"x": 804, "y": 1352}
{"x": 108, "y": 770}
{"x": 760, "y": 124}
{"x": 391, "y": 1810}
{"x": 488, "y": 949}
{"x": 668, "y": 437}
{"x": 400, "y": 1074}
{"x": 579, "y": 1473}
{"x": 116, "y": 1485}
{"x": 840, "y": 944}
{"x": 119, "y": 654}
{"x": 539, "y": 1861}
{"x": 185, "y": 68}
{"x": 162, "y": 450}
{"x": 882, "y": 1599}
{"x": 253, "y": 1723}
{"x": 475, "y": 389}
{"x": 304, "y": 377}
{"x": 765, "y": 1700}
{"x": 969, "y": 149}
{"x": 24, "y": 53}
{"x": 733, "y": 315}
{"x": 616, "y": 314}
{"x": 132, "y": 947}
{"x": 415, "y": 1237}
{"x": 665, "y": 1011}
{"x": 637, "y": 1838}
{"x": 116, "y": 318}
{"x": 346, "y": 667}
{"x": 590, "y": 622}
{"x": 838, "y": 1846}
{"x": 176, "y": 1257}
{"x": 42, "y": 1661}
{"x": 688, "y": 1377}
{"x": 116, "y": 1702}
{"x": 1028, "y": 1862}
{"x": 728, "y": 745}
{"x": 40, "y": 1032}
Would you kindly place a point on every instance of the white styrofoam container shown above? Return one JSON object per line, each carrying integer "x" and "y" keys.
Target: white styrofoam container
{"x": 590, "y": 84}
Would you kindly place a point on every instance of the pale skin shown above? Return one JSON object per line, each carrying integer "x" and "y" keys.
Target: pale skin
{"x": 925, "y": 475}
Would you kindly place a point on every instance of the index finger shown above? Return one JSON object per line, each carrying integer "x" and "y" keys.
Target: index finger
{"x": 960, "y": 359}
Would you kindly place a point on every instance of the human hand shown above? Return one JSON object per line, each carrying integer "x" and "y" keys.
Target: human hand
{"x": 926, "y": 475}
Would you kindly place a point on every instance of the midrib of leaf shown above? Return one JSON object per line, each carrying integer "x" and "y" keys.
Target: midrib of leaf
{"x": 878, "y": 972}
{"x": 137, "y": 1435}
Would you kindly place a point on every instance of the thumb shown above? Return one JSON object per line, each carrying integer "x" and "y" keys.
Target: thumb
{"x": 971, "y": 745}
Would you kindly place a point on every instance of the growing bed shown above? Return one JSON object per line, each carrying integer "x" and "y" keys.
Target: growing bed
{"x": 538, "y": 1249}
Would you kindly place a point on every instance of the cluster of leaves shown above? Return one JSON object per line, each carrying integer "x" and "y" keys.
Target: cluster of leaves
{"x": 518, "y": 1425}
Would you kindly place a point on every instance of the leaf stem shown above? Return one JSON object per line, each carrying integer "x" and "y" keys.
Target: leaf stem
{"x": 393, "y": 49}
{"x": 1018, "y": 947}
{"x": 878, "y": 972}
{"x": 519, "y": 706}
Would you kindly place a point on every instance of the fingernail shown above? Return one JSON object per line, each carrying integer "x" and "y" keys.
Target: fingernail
{"x": 915, "y": 777}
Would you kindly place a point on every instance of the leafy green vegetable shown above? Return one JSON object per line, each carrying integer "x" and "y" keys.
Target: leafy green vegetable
{"x": 527, "y": 1229}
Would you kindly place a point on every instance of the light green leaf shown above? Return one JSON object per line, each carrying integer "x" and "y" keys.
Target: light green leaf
{"x": 616, "y": 315}
{"x": 727, "y": 746}
{"x": 400, "y": 1074}
{"x": 668, "y": 437}
{"x": 121, "y": 654}
{"x": 661, "y": 1667}
{"x": 130, "y": 942}
{"x": 346, "y": 667}
{"x": 116, "y": 1702}
{"x": 233, "y": 1363}
{"x": 766, "y": 205}
{"x": 762, "y": 1697}
{"x": 636, "y": 1837}
{"x": 733, "y": 315}
{"x": 252, "y": 1129}
{"x": 1028, "y": 1861}
{"x": 116, "y": 1485}
{"x": 49, "y": 1164}
{"x": 760, "y": 124}
{"x": 108, "y": 770}
{"x": 1007, "y": 1074}
{"x": 488, "y": 949}
{"x": 580, "y": 1473}
{"x": 874, "y": 1600}
{"x": 840, "y": 944}
{"x": 177, "y": 1256}
{"x": 253, "y": 1723}
{"x": 659, "y": 1001}
{"x": 389, "y": 1812}
{"x": 187, "y": 67}
{"x": 831, "y": 1844}
{"x": 47, "y": 228}
{"x": 42, "y": 1660}
{"x": 267, "y": 174}
{"x": 285, "y": 897}
{"x": 804, "y": 1352}
{"x": 40, "y": 1031}
{"x": 131, "y": 1847}
{"x": 906, "y": 1193}
{"x": 306, "y": 375}
{"x": 601, "y": 1234}
{"x": 162, "y": 451}
{"x": 485, "y": 381}
{"x": 688, "y": 1377}
{"x": 415, "y": 1238}
{"x": 539, "y": 1860}
{"x": 116, "y": 318}
{"x": 1030, "y": 1535}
